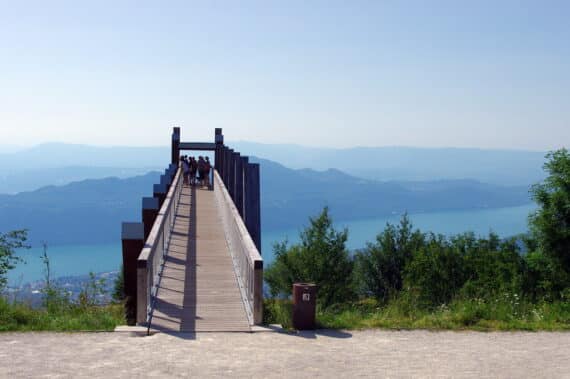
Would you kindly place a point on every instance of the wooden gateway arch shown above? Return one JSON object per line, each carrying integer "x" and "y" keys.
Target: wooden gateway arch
{"x": 194, "y": 264}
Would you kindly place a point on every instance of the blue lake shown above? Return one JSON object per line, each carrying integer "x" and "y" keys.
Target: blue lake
{"x": 79, "y": 260}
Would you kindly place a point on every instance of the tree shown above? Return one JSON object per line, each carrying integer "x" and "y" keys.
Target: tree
{"x": 321, "y": 258}
{"x": 379, "y": 267}
{"x": 491, "y": 266}
{"x": 550, "y": 224}
{"x": 9, "y": 242}
{"x": 543, "y": 279}
{"x": 435, "y": 273}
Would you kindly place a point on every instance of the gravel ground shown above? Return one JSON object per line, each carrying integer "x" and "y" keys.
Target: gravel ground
{"x": 373, "y": 353}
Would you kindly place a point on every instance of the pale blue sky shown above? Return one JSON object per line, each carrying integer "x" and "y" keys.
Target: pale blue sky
{"x": 491, "y": 74}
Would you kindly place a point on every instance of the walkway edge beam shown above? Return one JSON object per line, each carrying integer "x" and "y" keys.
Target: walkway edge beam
{"x": 248, "y": 262}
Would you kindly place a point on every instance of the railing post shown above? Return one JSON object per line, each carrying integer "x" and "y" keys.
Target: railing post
{"x": 172, "y": 171}
{"x": 258, "y": 292}
{"x": 166, "y": 180}
{"x": 142, "y": 292}
{"x": 219, "y": 139}
{"x": 159, "y": 191}
{"x": 238, "y": 201}
{"x": 132, "y": 238}
{"x": 175, "y": 146}
{"x": 227, "y": 161}
{"x": 232, "y": 181}
{"x": 150, "y": 208}
{"x": 252, "y": 204}
{"x": 244, "y": 164}
{"x": 224, "y": 164}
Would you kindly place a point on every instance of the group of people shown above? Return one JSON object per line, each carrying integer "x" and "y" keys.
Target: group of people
{"x": 191, "y": 167}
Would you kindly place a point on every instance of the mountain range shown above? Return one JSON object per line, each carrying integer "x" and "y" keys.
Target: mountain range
{"x": 85, "y": 212}
{"x": 502, "y": 167}
{"x": 57, "y": 163}
{"x": 91, "y": 211}
{"x": 290, "y": 196}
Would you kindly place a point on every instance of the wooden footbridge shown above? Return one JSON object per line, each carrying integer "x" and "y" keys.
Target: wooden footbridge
{"x": 193, "y": 264}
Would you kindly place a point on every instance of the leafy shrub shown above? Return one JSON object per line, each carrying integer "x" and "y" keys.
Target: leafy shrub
{"x": 9, "y": 242}
{"x": 491, "y": 266}
{"x": 278, "y": 311}
{"x": 320, "y": 258}
{"x": 436, "y": 272}
{"x": 550, "y": 224}
{"x": 379, "y": 267}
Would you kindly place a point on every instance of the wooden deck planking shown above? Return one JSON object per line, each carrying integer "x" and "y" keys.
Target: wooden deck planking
{"x": 198, "y": 289}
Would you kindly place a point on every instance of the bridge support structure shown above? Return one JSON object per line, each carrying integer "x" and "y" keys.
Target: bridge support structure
{"x": 132, "y": 236}
{"x": 175, "y": 156}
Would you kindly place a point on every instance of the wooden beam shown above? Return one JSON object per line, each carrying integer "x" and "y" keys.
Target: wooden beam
{"x": 200, "y": 146}
{"x": 150, "y": 207}
{"x": 232, "y": 177}
{"x": 244, "y": 163}
{"x": 224, "y": 164}
{"x": 228, "y": 159}
{"x": 159, "y": 191}
{"x": 166, "y": 179}
{"x": 258, "y": 293}
{"x": 175, "y": 151}
{"x": 253, "y": 205}
{"x": 132, "y": 240}
{"x": 219, "y": 139}
{"x": 238, "y": 200}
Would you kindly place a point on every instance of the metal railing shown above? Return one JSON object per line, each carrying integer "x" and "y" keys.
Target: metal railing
{"x": 151, "y": 259}
{"x": 248, "y": 263}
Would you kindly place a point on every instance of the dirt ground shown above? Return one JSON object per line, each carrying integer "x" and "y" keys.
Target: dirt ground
{"x": 373, "y": 353}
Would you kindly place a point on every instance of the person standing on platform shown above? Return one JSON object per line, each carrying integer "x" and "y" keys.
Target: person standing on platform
{"x": 193, "y": 169}
{"x": 201, "y": 165}
{"x": 185, "y": 170}
{"x": 207, "y": 169}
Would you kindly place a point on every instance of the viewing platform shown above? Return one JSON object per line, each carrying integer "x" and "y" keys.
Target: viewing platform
{"x": 193, "y": 264}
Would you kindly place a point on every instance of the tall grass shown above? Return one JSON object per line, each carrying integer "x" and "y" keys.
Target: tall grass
{"x": 506, "y": 312}
{"x": 17, "y": 316}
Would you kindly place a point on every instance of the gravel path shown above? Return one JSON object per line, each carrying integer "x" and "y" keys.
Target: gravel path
{"x": 373, "y": 353}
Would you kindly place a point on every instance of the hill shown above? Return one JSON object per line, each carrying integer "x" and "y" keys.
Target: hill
{"x": 290, "y": 196}
{"x": 86, "y": 212}
{"x": 501, "y": 167}
{"x": 57, "y": 155}
{"x": 12, "y": 182}
{"x": 90, "y": 211}
{"x": 56, "y": 163}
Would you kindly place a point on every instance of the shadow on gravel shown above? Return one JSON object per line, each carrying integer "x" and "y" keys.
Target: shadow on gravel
{"x": 179, "y": 335}
{"x": 313, "y": 334}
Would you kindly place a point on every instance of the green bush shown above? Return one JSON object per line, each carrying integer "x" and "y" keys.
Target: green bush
{"x": 435, "y": 273}
{"x": 9, "y": 242}
{"x": 491, "y": 266}
{"x": 550, "y": 224}
{"x": 379, "y": 267}
{"x": 320, "y": 258}
{"x": 278, "y": 311}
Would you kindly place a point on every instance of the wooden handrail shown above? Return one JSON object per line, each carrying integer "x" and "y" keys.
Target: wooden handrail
{"x": 151, "y": 258}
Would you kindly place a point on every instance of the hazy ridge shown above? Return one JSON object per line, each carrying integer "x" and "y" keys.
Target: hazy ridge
{"x": 31, "y": 168}
{"x": 90, "y": 211}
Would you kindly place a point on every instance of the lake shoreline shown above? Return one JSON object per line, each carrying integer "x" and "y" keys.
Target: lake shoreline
{"x": 107, "y": 257}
